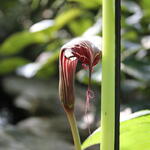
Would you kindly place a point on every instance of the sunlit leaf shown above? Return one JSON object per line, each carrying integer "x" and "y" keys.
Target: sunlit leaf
{"x": 20, "y": 40}
{"x": 134, "y": 133}
{"x": 42, "y": 25}
{"x": 67, "y": 16}
{"x": 83, "y": 24}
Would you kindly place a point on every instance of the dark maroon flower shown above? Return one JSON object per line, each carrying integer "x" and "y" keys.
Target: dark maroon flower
{"x": 81, "y": 50}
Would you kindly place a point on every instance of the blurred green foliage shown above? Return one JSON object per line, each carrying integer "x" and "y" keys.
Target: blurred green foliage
{"x": 24, "y": 42}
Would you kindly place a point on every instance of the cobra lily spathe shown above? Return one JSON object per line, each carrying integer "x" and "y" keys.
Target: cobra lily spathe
{"x": 79, "y": 49}
{"x": 83, "y": 50}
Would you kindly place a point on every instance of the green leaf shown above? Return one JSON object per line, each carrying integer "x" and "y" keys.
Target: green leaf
{"x": 10, "y": 64}
{"x": 134, "y": 133}
{"x": 145, "y": 6}
{"x": 67, "y": 16}
{"x": 82, "y": 24}
{"x": 18, "y": 41}
{"x": 49, "y": 67}
{"x": 93, "y": 139}
{"x": 88, "y": 3}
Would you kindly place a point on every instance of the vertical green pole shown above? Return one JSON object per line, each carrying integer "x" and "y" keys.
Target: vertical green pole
{"x": 108, "y": 76}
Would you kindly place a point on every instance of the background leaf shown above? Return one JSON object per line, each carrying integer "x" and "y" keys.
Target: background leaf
{"x": 88, "y": 3}
{"x": 10, "y": 64}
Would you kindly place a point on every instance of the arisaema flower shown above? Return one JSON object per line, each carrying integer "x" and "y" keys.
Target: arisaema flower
{"x": 79, "y": 49}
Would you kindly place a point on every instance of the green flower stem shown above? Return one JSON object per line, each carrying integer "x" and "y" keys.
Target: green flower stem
{"x": 108, "y": 76}
{"x": 74, "y": 130}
